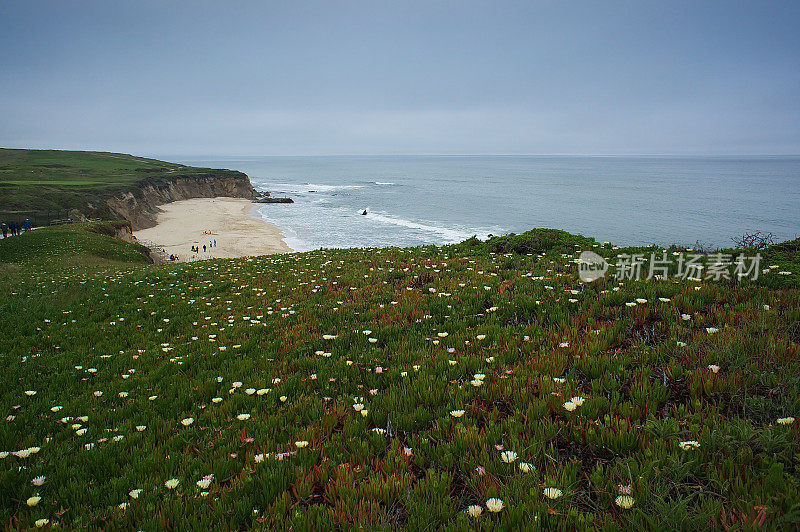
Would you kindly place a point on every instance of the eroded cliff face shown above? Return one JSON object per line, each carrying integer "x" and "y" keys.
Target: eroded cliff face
{"x": 140, "y": 205}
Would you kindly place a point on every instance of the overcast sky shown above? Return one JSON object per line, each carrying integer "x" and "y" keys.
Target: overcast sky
{"x": 372, "y": 77}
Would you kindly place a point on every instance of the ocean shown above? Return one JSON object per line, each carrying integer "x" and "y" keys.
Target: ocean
{"x": 416, "y": 200}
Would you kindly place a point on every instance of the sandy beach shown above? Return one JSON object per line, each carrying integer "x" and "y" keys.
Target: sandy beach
{"x": 230, "y": 221}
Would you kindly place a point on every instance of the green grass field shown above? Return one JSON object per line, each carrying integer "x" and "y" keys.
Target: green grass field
{"x": 478, "y": 386}
{"x": 45, "y": 184}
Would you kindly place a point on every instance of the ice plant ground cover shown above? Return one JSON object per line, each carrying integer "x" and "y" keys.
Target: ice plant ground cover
{"x": 299, "y": 420}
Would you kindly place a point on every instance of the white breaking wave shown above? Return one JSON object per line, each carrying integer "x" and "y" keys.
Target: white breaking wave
{"x": 384, "y": 183}
{"x": 451, "y": 235}
{"x": 294, "y": 188}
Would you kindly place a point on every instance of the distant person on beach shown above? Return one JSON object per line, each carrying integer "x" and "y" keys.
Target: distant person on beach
{"x": 215, "y": 242}
{"x": 13, "y": 228}
{"x": 204, "y": 248}
{"x": 5, "y": 230}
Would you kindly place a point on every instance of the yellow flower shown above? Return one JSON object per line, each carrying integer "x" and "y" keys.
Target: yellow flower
{"x": 785, "y": 420}
{"x": 552, "y": 493}
{"x": 301, "y": 444}
{"x": 508, "y": 456}
{"x": 41, "y": 522}
{"x": 456, "y": 413}
{"x": 243, "y": 417}
{"x": 33, "y": 501}
{"x": 172, "y": 483}
{"x": 525, "y": 467}
{"x": 494, "y": 505}
{"x": 188, "y": 421}
{"x": 625, "y": 501}
{"x": 474, "y": 510}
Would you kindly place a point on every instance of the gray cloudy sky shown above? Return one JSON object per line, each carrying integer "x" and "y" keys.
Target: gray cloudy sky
{"x": 373, "y": 77}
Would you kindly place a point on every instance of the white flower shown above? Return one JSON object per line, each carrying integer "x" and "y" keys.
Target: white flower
{"x": 358, "y": 407}
{"x": 216, "y": 400}
{"x": 55, "y": 408}
{"x": 42, "y": 522}
{"x": 237, "y": 384}
{"x": 283, "y": 398}
{"x": 578, "y": 400}
{"x": 80, "y": 432}
{"x": 508, "y": 456}
{"x": 569, "y": 405}
{"x": 686, "y": 317}
{"x": 140, "y": 428}
{"x": 480, "y": 337}
{"x": 33, "y": 501}
{"x": 30, "y": 393}
{"x": 456, "y": 413}
{"x": 259, "y": 458}
{"x": 713, "y": 367}
{"x": 689, "y": 445}
{"x": 625, "y": 501}
{"x": 711, "y": 330}
{"x": 476, "y": 382}
{"x": 243, "y": 417}
{"x": 250, "y": 391}
{"x": 785, "y": 420}
{"x": 172, "y": 483}
{"x": 301, "y": 444}
{"x": 122, "y": 505}
{"x": 526, "y": 467}
{"x": 203, "y": 483}
{"x": 494, "y": 504}
{"x": 188, "y": 421}
{"x": 474, "y": 510}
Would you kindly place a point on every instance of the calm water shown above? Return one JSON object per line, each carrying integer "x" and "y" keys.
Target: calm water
{"x": 414, "y": 200}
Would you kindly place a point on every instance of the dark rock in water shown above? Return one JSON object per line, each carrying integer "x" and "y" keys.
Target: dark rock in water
{"x": 269, "y": 199}
{"x": 364, "y": 213}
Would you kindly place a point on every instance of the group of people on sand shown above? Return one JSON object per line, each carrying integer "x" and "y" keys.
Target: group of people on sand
{"x": 211, "y": 244}
{"x": 14, "y": 228}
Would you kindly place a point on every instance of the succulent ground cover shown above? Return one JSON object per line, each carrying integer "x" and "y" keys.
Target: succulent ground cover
{"x": 472, "y": 386}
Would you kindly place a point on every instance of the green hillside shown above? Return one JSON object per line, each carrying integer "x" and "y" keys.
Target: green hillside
{"x": 45, "y": 184}
{"x": 393, "y": 388}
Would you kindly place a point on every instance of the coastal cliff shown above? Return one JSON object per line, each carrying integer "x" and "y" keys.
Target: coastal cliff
{"x": 140, "y": 206}
{"x": 53, "y": 186}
